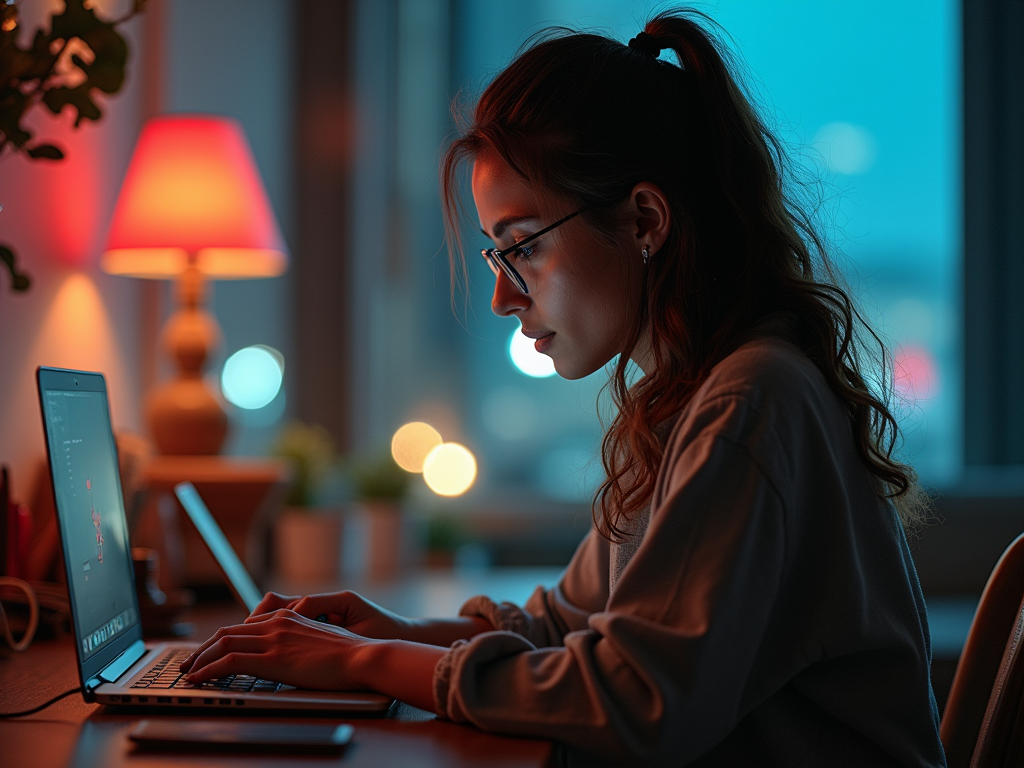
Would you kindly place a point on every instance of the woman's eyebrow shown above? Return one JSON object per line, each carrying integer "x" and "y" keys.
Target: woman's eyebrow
{"x": 502, "y": 225}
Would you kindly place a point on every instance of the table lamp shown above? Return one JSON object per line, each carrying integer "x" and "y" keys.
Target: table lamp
{"x": 192, "y": 208}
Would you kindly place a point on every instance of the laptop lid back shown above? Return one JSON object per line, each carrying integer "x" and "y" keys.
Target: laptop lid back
{"x": 91, "y": 519}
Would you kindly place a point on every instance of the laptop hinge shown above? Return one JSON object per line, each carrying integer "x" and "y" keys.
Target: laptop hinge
{"x": 119, "y": 665}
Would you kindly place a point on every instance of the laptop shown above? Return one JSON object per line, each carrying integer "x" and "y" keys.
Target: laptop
{"x": 115, "y": 666}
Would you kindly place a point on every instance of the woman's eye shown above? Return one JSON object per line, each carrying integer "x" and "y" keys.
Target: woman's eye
{"x": 524, "y": 252}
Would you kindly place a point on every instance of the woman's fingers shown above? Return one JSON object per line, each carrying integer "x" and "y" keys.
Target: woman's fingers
{"x": 272, "y": 601}
{"x": 234, "y": 663}
{"x": 282, "y": 646}
{"x": 287, "y": 647}
{"x": 312, "y": 606}
{"x": 335, "y": 605}
{"x": 238, "y": 629}
{"x": 186, "y": 665}
{"x": 280, "y": 613}
{"x": 228, "y": 644}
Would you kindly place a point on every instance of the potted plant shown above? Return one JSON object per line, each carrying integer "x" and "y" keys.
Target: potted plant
{"x": 308, "y": 535}
{"x": 380, "y": 487}
{"x": 446, "y": 533}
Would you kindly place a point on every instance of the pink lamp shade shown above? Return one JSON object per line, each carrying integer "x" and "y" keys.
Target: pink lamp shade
{"x": 193, "y": 191}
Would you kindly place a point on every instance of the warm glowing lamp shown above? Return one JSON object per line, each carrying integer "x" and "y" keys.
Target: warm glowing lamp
{"x": 192, "y": 208}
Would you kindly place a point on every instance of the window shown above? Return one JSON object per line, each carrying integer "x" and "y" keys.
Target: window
{"x": 868, "y": 94}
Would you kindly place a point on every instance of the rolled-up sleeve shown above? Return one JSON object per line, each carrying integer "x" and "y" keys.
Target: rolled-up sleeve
{"x": 550, "y": 614}
{"x": 664, "y": 668}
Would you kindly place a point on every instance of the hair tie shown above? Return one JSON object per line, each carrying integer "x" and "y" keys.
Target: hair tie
{"x": 645, "y": 43}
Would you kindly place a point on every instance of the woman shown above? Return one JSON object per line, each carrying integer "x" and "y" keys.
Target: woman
{"x": 747, "y": 596}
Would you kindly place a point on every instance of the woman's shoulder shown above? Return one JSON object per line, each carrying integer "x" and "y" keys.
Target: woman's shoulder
{"x": 769, "y": 400}
{"x": 768, "y": 370}
{"x": 765, "y": 390}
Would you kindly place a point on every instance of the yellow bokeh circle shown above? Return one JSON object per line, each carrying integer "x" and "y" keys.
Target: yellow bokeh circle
{"x": 449, "y": 469}
{"x": 411, "y": 444}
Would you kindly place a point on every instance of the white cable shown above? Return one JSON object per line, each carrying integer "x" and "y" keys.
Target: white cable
{"x": 33, "y": 614}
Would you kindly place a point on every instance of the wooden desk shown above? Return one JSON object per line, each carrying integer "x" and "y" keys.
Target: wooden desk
{"x": 73, "y": 733}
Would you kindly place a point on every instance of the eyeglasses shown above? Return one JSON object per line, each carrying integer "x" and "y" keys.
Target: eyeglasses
{"x": 499, "y": 263}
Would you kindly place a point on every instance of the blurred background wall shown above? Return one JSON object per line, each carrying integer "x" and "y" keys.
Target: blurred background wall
{"x": 346, "y": 104}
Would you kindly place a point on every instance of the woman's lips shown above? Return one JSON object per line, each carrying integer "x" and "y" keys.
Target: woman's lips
{"x": 543, "y": 342}
{"x": 542, "y": 339}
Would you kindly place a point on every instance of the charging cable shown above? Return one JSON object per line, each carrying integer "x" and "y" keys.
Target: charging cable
{"x": 33, "y": 615}
{"x": 44, "y": 705}
{"x": 26, "y": 638}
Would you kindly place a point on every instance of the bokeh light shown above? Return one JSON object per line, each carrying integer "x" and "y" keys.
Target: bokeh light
{"x": 449, "y": 469}
{"x": 252, "y": 377}
{"x": 411, "y": 444}
{"x": 846, "y": 148}
{"x": 915, "y": 375}
{"x": 527, "y": 359}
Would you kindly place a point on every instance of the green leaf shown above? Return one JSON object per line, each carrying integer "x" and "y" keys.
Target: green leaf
{"x": 19, "y": 282}
{"x": 45, "y": 152}
{"x": 78, "y": 98}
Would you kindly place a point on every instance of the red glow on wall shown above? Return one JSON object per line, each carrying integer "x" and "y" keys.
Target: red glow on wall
{"x": 55, "y": 210}
{"x": 77, "y": 203}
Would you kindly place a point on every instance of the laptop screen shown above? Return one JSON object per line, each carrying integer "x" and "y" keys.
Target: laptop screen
{"x": 87, "y": 488}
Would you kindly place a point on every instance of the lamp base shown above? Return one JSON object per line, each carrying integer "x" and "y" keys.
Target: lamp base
{"x": 186, "y": 418}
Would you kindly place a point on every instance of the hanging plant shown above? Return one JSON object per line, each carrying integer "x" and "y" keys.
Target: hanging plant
{"x": 79, "y": 55}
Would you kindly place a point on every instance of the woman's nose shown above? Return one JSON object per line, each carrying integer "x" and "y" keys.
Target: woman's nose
{"x": 507, "y": 297}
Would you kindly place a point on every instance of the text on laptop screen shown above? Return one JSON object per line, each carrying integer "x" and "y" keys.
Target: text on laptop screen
{"x": 91, "y": 513}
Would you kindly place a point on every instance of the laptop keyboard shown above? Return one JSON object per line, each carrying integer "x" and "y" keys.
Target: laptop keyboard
{"x": 165, "y": 675}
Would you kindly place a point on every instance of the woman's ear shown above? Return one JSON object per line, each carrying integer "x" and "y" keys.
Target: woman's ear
{"x": 653, "y": 217}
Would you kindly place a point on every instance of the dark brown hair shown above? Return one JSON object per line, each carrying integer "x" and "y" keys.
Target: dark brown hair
{"x": 586, "y": 118}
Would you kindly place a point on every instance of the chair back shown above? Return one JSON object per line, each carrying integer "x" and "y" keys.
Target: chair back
{"x": 983, "y": 724}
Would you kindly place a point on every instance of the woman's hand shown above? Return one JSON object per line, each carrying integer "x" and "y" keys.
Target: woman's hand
{"x": 343, "y": 609}
{"x": 286, "y": 647}
{"x": 293, "y": 649}
{"x": 357, "y": 614}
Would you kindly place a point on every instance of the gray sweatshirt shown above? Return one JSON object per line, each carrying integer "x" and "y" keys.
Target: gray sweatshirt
{"x": 766, "y": 612}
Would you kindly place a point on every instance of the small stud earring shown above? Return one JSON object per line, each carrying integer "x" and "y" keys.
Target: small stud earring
{"x": 646, "y": 254}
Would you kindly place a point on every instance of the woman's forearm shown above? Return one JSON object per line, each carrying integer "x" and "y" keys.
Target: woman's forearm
{"x": 401, "y": 669}
{"x": 404, "y": 669}
{"x": 444, "y": 632}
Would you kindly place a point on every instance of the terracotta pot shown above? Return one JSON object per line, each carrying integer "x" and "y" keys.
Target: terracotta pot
{"x": 308, "y": 545}
{"x": 386, "y": 540}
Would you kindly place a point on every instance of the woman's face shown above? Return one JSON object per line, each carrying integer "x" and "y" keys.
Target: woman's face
{"x": 583, "y": 293}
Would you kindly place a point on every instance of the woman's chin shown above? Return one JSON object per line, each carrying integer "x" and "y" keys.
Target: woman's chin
{"x": 571, "y": 370}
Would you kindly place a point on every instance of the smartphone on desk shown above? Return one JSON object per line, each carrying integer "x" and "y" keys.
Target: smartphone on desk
{"x": 235, "y": 736}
